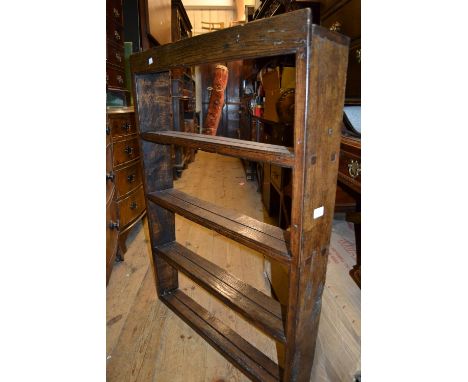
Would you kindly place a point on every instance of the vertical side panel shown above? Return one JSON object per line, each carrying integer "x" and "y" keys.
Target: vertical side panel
{"x": 314, "y": 186}
{"x": 154, "y": 113}
{"x": 178, "y": 114}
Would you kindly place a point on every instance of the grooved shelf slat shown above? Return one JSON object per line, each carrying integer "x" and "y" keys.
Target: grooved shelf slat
{"x": 261, "y": 310}
{"x": 256, "y": 151}
{"x": 269, "y": 240}
{"x": 233, "y": 347}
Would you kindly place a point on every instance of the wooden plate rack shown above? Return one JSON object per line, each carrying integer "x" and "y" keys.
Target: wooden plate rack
{"x": 321, "y": 62}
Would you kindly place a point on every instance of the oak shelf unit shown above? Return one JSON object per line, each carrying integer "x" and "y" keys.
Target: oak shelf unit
{"x": 321, "y": 62}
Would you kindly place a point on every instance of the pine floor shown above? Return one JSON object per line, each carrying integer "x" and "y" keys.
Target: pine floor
{"x": 147, "y": 342}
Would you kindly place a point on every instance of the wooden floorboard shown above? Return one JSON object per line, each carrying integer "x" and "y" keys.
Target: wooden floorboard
{"x": 148, "y": 342}
{"x": 124, "y": 286}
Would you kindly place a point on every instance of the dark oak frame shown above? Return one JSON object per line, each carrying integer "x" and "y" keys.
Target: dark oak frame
{"x": 321, "y": 63}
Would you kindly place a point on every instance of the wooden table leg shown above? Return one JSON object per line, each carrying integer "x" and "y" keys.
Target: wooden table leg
{"x": 355, "y": 272}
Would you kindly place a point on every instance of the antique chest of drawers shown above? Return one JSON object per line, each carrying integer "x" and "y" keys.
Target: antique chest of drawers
{"x": 344, "y": 16}
{"x": 112, "y": 218}
{"x": 126, "y": 170}
{"x": 124, "y": 196}
{"x": 349, "y": 171}
{"x": 117, "y": 91}
{"x": 115, "y": 69}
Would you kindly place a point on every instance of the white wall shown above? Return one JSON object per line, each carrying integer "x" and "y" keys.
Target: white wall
{"x": 196, "y": 16}
{"x": 207, "y": 3}
{"x": 215, "y": 11}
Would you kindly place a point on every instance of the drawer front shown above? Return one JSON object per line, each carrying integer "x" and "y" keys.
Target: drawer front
{"x": 276, "y": 176}
{"x": 125, "y": 151}
{"x": 110, "y": 177}
{"x": 122, "y": 125}
{"x": 114, "y": 32}
{"x": 353, "y": 77}
{"x": 115, "y": 78}
{"x": 345, "y": 20}
{"x": 127, "y": 179}
{"x": 131, "y": 207}
{"x": 349, "y": 171}
{"x": 112, "y": 235}
{"x": 114, "y": 10}
{"x": 108, "y": 130}
{"x": 115, "y": 55}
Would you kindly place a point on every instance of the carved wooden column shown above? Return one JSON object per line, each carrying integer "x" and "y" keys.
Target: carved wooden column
{"x": 216, "y": 104}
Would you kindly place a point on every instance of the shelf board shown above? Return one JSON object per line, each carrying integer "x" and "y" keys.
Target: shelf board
{"x": 256, "y": 151}
{"x": 259, "y": 309}
{"x": 249, "y": 360}
{"x": 267, "y": 239}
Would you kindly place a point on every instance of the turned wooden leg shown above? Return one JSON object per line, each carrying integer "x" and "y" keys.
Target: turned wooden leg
{"x": 355, "y": 272}
{"x": 122, "y": 246}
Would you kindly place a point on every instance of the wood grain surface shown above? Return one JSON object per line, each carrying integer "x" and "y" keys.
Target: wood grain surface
{"x": 269, "y": 37}
{"x": 259, "y": 309}
{"x": 147, "y": 342}
{"x": 317, "y": 132}
{"x": 248, "y": 231}
{"x": 263, "y": 152}
{"x": 321, "y": 62}
{"x": 243, "y": 355}
{"x": 156, "y": 165}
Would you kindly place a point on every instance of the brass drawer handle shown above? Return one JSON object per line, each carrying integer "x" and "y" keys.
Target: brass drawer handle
{"x": 114, "y": 225}
{"x": 129, "y": 150}
{"x": 126, "y": 126}
{"x": 116, "y": 35}
{"x": 354, "y": 168}
{"x": 110, "y": 176}
{"x": 336, "y": 27}
{"x": 131, "y": 178}
{"x": 118, "y": 57}
{"x": 116, "y": 12}
{"x": 133, "y": 206}
{"x": 120, "y": 79}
